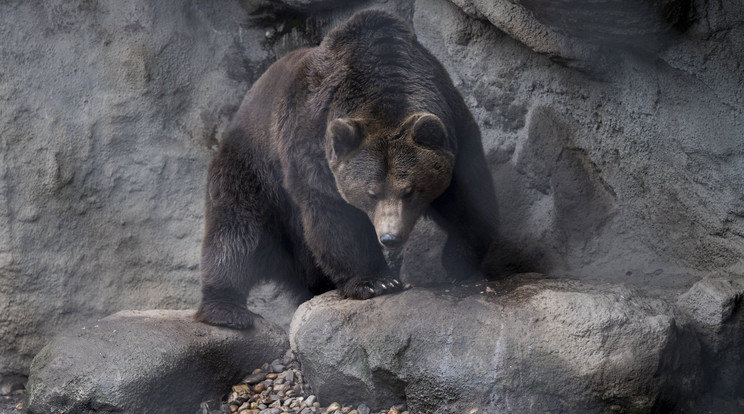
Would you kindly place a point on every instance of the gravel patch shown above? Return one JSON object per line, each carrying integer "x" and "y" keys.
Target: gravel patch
{"x": 278, "y": 387}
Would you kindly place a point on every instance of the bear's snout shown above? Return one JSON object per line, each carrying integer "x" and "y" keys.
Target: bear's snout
{"x": 393, "y": 220}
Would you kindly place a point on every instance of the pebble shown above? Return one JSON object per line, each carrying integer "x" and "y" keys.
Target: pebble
{"x": 333, "y": 407}
{"x": 255, "y": 378}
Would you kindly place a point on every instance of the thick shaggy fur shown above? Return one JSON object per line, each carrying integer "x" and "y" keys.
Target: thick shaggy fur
{"x": 327, "y": 145}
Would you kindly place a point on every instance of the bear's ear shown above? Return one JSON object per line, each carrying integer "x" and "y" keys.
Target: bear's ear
{"x": 342, "y": 137}
{"x": 429, "y": 131}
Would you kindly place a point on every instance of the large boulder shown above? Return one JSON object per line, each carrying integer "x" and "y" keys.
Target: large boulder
{"x": 146, "y": 362}
{"x": 528, "y": 344}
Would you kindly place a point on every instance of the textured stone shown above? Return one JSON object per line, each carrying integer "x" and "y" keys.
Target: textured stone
{"x": 579, "y": 32}
{"x": 145, "y": 361}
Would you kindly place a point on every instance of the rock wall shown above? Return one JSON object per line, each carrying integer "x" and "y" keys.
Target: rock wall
{"x": 617, "y": 153}
{"x": 108, "y": 115}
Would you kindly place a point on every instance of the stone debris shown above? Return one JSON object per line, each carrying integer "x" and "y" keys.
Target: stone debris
{"x": 279, "y": 387}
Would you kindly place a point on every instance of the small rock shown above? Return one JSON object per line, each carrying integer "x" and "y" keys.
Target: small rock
{"x": 281, "y": 387}
{"x": 288, "y": 357}
{"x": 272, "y": 375}
{"x": 333, "y": 407}
{"x": 310, "y": 400}
{"x": 254, "y": 378}
{"x": 616, "y": 407}
{"x": 363, "y": 409}
{"x": 277, "y": 368}
{"x": 259, "y": 387}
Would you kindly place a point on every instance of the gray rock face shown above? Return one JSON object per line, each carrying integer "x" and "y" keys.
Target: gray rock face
{"x": 535, "y": 345}
{"x": 145, "y": 362}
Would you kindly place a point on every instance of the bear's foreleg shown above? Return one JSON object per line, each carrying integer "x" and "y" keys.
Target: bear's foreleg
{"x": 344, "y": 244}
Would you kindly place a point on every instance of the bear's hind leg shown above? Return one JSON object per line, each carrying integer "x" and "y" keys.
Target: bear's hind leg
{"x": 243, "y": 250}
{"x": 240, "y": 246}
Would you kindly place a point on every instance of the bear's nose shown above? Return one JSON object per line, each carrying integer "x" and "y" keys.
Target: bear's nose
{"x": 390, "y": 240}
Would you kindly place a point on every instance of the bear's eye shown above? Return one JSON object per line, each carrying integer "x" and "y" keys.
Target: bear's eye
{"x": 407, "y": 193}
{"x": 372, "y": 195}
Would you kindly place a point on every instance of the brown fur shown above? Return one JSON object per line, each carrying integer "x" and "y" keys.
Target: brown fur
{"x": 335, "y": 151}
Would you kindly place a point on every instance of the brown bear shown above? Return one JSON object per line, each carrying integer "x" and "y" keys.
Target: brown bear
{"x": 334, "y": 154}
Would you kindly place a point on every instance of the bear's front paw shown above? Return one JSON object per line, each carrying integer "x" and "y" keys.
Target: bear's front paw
{"x": 225, "y": 314}
{"x": 365, "y": 289}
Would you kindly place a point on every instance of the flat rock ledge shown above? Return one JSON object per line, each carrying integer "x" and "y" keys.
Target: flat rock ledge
{"x": 155, "y": 361}
{"x": 530, "y": 344}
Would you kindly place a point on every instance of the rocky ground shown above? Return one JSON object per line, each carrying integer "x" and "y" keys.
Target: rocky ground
{"x": 279, "y": 387}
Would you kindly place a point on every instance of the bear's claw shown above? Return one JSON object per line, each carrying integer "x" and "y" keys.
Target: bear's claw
{"x": 365, "y": 289}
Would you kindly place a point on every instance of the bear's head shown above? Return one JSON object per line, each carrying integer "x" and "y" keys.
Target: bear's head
{"x": 391, "y": 173}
